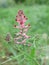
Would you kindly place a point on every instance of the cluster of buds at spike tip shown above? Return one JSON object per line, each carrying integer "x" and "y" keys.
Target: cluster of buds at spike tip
{"x": 21, "y": 37}
{"x": 21, "y": 18}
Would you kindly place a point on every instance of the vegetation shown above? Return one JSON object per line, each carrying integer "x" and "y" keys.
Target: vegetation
{"x": 14, "y": 54}
{"x": 7, "y": 3}
{"x": 31, "y": 2}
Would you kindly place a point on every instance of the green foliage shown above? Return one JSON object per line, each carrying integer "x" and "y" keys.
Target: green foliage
{"x": 19, "y": 1}
{"x": 13, "y": 54}
{"x": 7, "y": 3}
{"x": 31, "y": 2}
{"x": 42, "y": 1}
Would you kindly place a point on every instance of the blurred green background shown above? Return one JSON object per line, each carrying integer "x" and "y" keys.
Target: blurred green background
{"x": 6, "y": 3}
{"x": 37, "y": 12}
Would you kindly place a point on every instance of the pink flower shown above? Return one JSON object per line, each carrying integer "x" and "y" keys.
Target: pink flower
{"x": 21, "y": 19}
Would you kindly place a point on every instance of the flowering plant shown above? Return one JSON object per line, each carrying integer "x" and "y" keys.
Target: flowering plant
{"x": 21, "y": 37}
